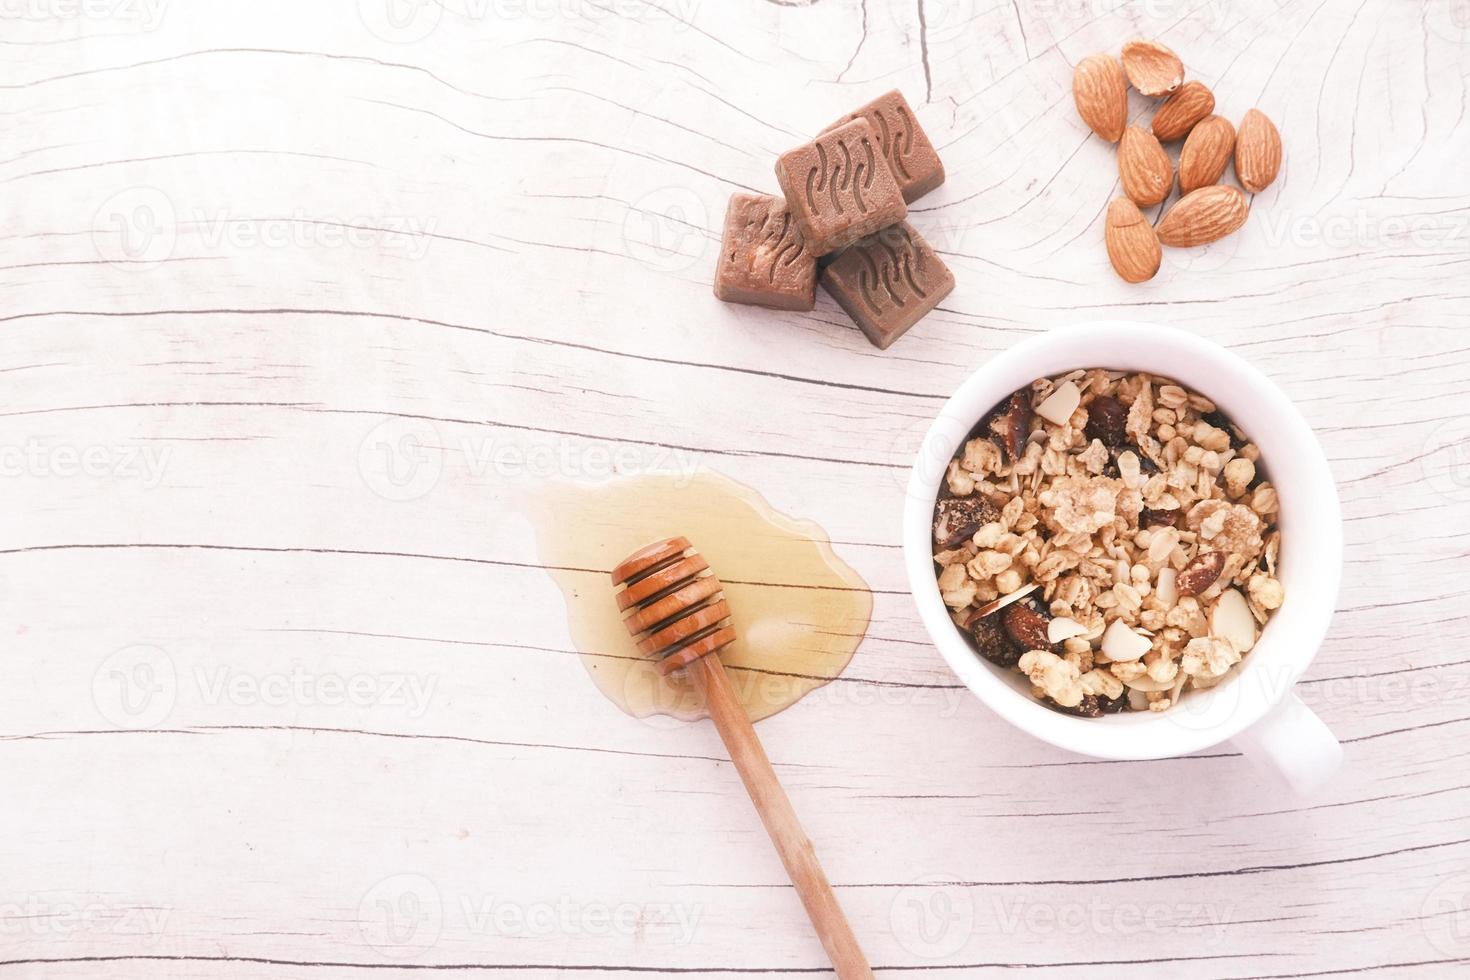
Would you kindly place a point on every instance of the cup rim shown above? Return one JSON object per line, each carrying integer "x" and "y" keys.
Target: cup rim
{"x": 1285, "y": 653}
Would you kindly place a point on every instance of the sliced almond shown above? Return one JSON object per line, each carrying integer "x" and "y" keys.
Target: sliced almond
{"x": 1144, "y": 167}
{"x": 1231, "y": 621}
{"x": 1203, "y": 216}
{"x": 995, "y": 605}
{"x": 1206, "y": 153}
{"x": 1063, "y": 628}
{"x": 1257, "y": 152}
{"x": 1058, "y": 407}
{"x": 1152, "y": 68}
{"x": 1166, "y": 589}
{"x": 1133, "y": 245}
{"x": 1148, "y": 685}
{"x": 1177, "y": 116}
{"x": 1101, "y": 93}
{"x": 1121, "y": 644}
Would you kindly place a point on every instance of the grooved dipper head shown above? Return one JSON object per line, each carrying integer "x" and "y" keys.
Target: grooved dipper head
{"x": 672, "y": 603}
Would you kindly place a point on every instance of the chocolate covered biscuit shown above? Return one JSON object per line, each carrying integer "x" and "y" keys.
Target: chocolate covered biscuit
{"x": 839, "y": 187}
{"x": 763, "y": 259}
{"x": 887, "y": 282}
{"x": 911, "y": 157}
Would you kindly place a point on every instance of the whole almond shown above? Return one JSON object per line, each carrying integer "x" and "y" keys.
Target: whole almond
{"x": 1101, "y": 94}
{"x": 1027, "y": 627}
{"x": 1152, "y": 68}
{"x": 1177, "y": 116}
{"x": 1144, "y": 167}
{"x": 1206, "y": 153}
{"x": 1203, "y": 216}
{"x": 1257, "y": 152}
{"x": 1133, "y": 247}
{"x": 1201, "y": 573}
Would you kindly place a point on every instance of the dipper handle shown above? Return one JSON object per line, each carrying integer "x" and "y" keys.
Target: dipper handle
{"x": 674, "y": 607}
{"x": 780, "y": 820}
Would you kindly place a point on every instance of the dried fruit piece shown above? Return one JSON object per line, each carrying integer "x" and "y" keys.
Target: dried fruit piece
{"x": 1027, "y": 626}
{"x": 1152, "y": 68}
{"x": 1058, "y": 406}
{"x": 1013, "y": 425}
{"x": 993, "y": 642}
{"x": 1203, "y": 216}
{"x": 1157, "y": 518}
{"x": 957, "y": 518}
{"x": 1257, "y": 152}
{"x": 1200, "y": 573}
{"x": 1144, "y": 167}
{"x": 1177, "y": 116}
{"x": 1093, "y": 705}
{"x": 1133, "y": 245}
{"x": 1089, "y": 707}
{"x": 1107, "y": 419}
{"x": 1206, "y": 153}
{"x": 1101, "y": 94}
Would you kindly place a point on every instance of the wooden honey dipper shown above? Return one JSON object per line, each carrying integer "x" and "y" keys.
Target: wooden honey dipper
{"x": 675, "y": 608}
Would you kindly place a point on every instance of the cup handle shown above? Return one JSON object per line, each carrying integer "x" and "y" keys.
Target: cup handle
{"x": 1293, "y": 743}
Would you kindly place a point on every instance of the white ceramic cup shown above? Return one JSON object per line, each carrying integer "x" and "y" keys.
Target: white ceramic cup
{"x": 1256, "y": 707}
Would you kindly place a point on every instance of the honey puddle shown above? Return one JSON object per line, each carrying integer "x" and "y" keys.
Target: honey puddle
{"x": 799, "y": 610}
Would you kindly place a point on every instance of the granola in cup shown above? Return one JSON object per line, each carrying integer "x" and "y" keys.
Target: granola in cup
{"x": 1112, "y": 536}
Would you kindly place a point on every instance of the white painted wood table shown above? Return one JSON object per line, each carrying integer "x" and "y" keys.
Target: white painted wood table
{"x": 274, "y": 706}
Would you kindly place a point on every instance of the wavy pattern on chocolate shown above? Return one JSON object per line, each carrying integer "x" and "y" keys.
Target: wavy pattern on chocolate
{"x": 896, "y": 140}
{"x": 763, "y": 257}
{"x": 838, "y": 178}
{"x": 777, "y": 243}
{"x": 892, "y": 271}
